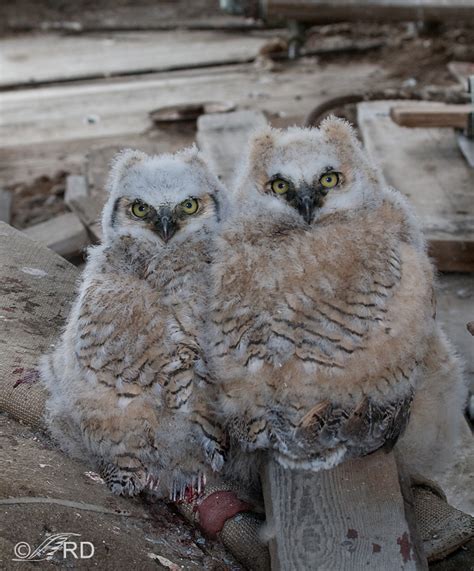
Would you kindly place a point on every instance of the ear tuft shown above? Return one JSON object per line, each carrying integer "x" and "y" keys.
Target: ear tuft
{"x": 261, "y": 142}
{"x": 123, "y": 161}
{"x": 338, "y": 131}
{"x": 192, "y": 155}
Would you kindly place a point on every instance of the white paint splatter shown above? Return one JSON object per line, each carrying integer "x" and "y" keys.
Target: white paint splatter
{"x": 34, "y": 272}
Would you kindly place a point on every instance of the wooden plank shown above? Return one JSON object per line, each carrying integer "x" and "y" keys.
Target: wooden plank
{"x": 427, "y": 166}
{"x": 120, "y": 107}
{"x": 64, "y": 234}
{"x": 350, "y": 518}
{"x": 123, "y": 15}
{"x": 322, "y": 11}
{"x": 27, "y": 60}
{"x": 46, "y": 130}
{"x": 86, "y": 206}
{"x": 223, "y": 139}
{"x": 461, "y": 70}
{"x": 76, "y": 189}
{"x": 36, "y": 287}
{"x": 453, "y": 116}
{"x": 454, "y": 308}
{"x": 5, "y": 205}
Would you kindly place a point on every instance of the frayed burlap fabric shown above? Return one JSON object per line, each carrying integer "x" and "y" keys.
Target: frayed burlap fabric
{"x": 442, "y": 528}
{"x": 36, "y": 289}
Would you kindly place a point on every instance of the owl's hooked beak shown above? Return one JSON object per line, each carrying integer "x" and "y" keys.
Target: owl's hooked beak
{"x": 165, "y": 224}
{"x": 307, "y": 200}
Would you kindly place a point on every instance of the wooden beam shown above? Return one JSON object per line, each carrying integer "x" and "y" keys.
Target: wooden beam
{"x": 453, "y": 116}
{"x": 120, "y": 108}
{"x": 54, "y": 57}
{"x": 76, "y": 189}
{"x": 223, "y": 138}
{"x": 5, "y": 205}
{"x": 350, "y": 518}
{"x": 427, "y": 166}
{"x": 64, "y": 234}
{"x": 86, "y": 206}
{"x": 324, "y": 11}
{"x": 461, "y": 70}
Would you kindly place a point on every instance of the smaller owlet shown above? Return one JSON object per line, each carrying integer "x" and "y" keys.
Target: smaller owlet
{"x": 322, "y": 316}
{"x": 128, "y": 376}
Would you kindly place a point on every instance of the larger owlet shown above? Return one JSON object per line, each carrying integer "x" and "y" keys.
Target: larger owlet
{"x": 128, "y": 376}
{"x": 323, "y": 327}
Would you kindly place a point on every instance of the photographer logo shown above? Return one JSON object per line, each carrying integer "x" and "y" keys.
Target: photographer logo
{"x": 62, "y": 544}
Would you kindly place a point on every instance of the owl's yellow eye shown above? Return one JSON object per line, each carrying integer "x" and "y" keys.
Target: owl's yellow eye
{"x": 280, "y": 186}
{"x": 190, "y": 206}
{"x": 140, "y": 209}
{"x": 329, "y": 180}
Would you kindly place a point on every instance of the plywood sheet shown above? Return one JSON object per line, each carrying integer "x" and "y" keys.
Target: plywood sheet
{"x": 351, "y": 517}
{"x": 52, "y": 128}
{"x": 427, "y": 166}
{"x": 26, "y": 60}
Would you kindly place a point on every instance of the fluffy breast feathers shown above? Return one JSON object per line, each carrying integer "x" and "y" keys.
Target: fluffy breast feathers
{"x": 318, "y": 329}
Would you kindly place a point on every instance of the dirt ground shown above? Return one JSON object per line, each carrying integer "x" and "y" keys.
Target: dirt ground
{"x": 126, "y": 533}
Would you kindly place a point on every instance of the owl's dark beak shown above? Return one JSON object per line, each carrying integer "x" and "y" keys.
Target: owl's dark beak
{"x": 306, "y": 201}
{"x": 306, "y": 208}
{"x": 165, "y": 224}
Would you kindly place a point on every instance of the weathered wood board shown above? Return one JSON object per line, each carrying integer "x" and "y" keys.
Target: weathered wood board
{"x": 36, "y": 287}
{"x": 454, "y": 308}
{"x": 53, "y": 128}
{"x": 121, "y": 107}
{"x": 5, "y": 205}
{"x": 461, "y": 70}
{"x": 76, "y": 189}
{"x": 427, "y": 166}
{"x": 223, "y": 138}
{"x": 321, "y": 11}
{"x": 64, "y": 234}
{"x": 26, "y": 60}
{"x": 350, "y": 518}
{"x": 122, "y": 15}
{"x": 429, "y": 116}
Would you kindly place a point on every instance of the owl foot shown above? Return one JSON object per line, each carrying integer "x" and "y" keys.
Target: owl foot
{"x": 215, "y": 454}
{"x": 128, "y": 479}
{"x": 188, "y": 490}
{"x": 152, "y": 483}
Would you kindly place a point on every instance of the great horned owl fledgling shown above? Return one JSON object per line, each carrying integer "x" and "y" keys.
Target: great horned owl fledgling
{"x": 127, "y": 377}
{"x": 322, "y": 318}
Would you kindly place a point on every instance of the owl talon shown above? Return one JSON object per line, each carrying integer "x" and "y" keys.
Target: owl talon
{"x": 152, "y": 483}
{"x": 188, "y": 491}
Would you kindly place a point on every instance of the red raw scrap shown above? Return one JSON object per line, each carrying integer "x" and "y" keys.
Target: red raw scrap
{"x": 217, "y": 508}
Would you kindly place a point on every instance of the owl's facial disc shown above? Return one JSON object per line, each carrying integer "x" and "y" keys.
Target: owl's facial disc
{"x": 166, "y": 219}
{"x": 305, "y": 197}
